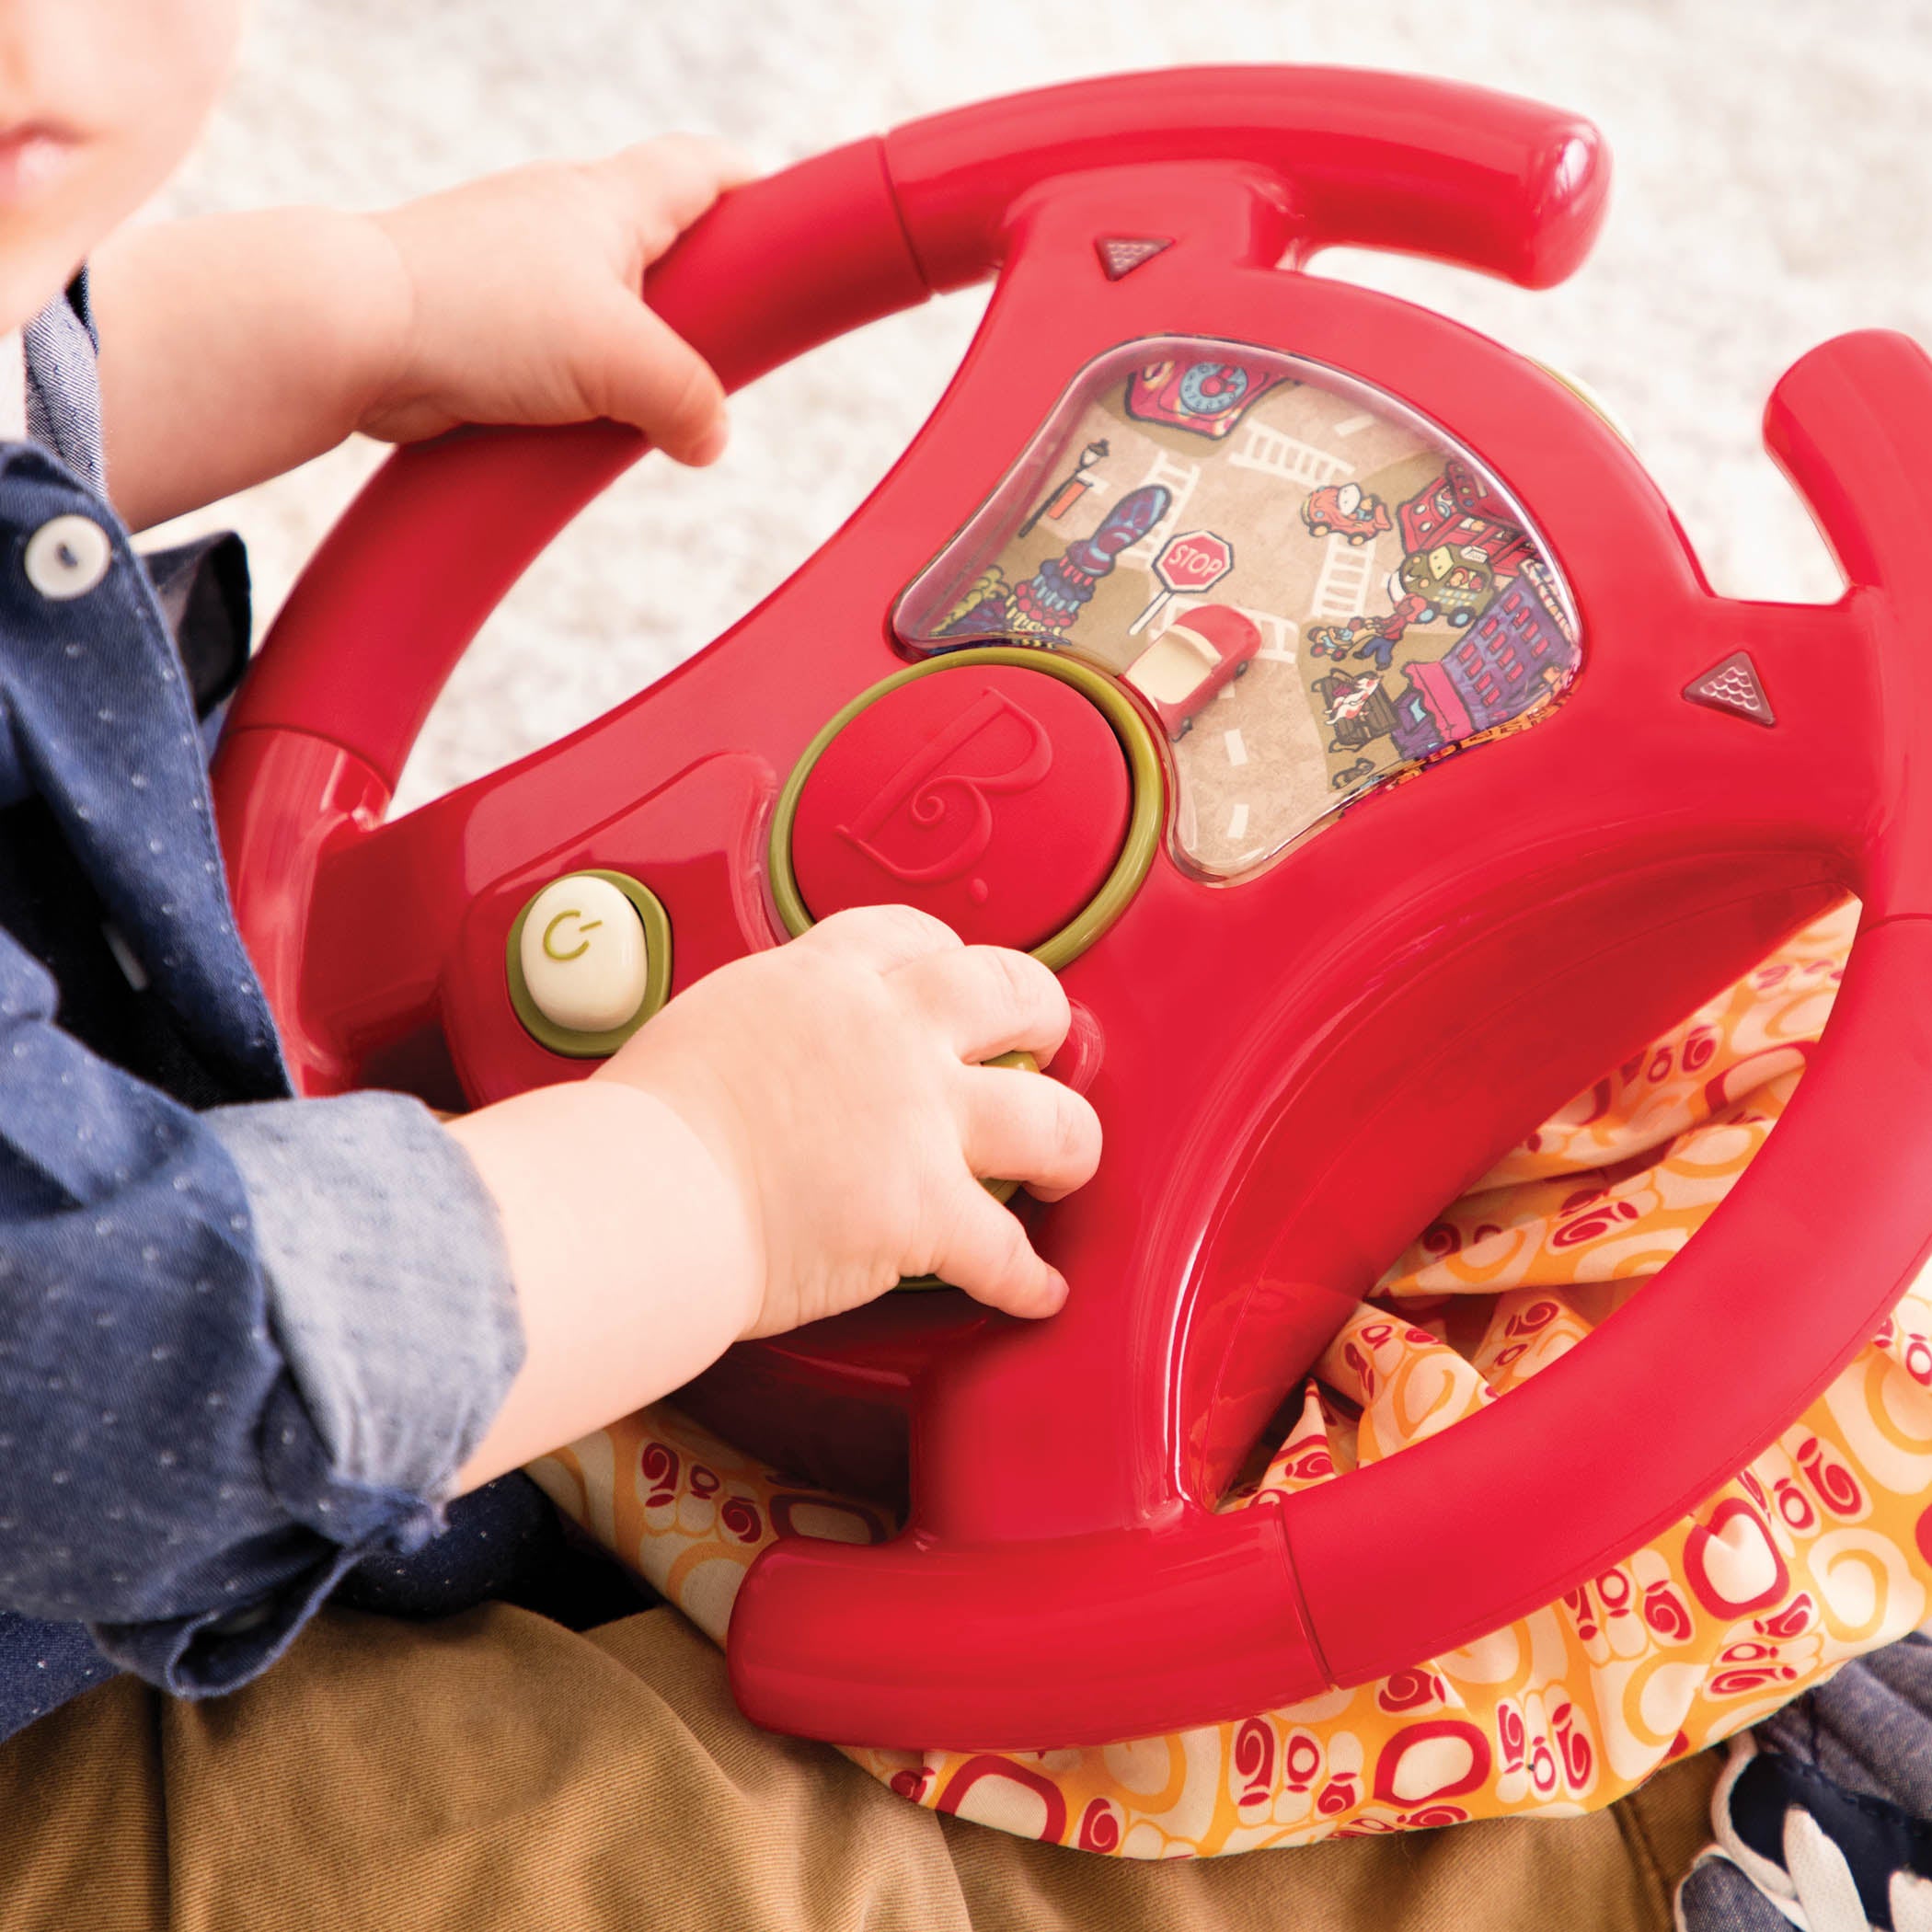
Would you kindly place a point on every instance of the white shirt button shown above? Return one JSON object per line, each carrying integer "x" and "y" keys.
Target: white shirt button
{"x": 585, "y": 959}
{"x": 68, "y": 557}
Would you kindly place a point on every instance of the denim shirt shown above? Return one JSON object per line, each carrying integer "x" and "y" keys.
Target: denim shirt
{"x": 243, "y": 1345}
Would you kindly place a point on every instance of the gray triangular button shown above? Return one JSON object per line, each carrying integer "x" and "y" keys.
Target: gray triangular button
{"x": 1735, "y": 686}
{"x": 1121, "y": 254}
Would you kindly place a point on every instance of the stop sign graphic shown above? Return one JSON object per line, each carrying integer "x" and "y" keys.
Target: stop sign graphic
{"x": 1186, "y": 565}
{"x": 1193, "y": 560}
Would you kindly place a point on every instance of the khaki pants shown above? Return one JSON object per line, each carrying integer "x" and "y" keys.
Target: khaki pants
{"x": 496, "y": 1771}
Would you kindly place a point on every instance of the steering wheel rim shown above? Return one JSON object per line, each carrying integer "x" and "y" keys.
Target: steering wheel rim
{"x": 1703, "y": 831}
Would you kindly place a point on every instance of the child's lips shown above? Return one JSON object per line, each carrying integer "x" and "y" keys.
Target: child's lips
{"x": 33, "y": 157}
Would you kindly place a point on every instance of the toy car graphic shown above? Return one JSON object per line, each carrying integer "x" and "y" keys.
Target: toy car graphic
{"x": 1458, "y": 581}
{"x": 1343, "y": 509}
{"x": 1196, "y": 656}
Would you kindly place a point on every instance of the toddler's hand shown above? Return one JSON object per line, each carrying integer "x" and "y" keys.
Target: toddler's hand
{"x": 837, "y": 1081}
{"x": 521, "y": 295}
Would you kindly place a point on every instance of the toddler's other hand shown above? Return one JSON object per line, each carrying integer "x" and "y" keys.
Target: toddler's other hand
{"x": 837, "y": 1081}
{"x": 521, "y": 299}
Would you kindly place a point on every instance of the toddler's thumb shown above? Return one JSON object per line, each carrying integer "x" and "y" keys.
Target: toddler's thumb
{"x": 991, "y": 1259}
{"x": 654, "y": 379}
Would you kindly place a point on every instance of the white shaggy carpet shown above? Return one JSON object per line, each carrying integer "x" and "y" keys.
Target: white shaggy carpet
{"x": 1774, "y": 187}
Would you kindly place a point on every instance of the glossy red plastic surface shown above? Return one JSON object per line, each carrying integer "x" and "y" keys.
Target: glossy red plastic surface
{"x": 1369, "y": 160}
{"x": 989, "y": 796}
{"x": 1295, "y": 1070}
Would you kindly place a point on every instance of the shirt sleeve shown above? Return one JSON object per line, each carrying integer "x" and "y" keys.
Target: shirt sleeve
{"x": 239, "y": 1351}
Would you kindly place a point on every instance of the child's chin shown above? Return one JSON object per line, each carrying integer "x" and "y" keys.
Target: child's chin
{"x": 38, "y": 259}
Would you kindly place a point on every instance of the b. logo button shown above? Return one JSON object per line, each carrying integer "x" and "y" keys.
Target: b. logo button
{"x": 993, "y": 796}
{"x": 950, "y": 784}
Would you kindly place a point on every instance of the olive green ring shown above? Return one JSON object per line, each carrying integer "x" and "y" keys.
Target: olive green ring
{"x": 1143, "y": 766}
{"x": 656, "y": 922}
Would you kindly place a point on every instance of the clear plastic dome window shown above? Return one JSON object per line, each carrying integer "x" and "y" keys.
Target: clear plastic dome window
{"x": 1313, "y": 589}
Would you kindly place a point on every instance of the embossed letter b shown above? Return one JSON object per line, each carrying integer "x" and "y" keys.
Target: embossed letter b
{"x": 933, "y": 790}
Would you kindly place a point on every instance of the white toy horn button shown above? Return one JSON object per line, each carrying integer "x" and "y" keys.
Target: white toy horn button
{"x": 586, "y": 961}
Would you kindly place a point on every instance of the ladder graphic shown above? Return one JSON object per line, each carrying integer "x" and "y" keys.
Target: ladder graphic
{"x": 1281, "y": 636}
{"x": 1178, "y": 477}
{"x": 1342, "y": 590}
{"x": 1286, "y": 456}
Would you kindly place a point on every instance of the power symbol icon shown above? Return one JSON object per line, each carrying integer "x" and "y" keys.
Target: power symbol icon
{"x": 551, "y": 950}
{"x": 584, "y": 955}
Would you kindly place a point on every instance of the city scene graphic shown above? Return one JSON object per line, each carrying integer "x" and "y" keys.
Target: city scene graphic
{"x": 1313, "y": 591}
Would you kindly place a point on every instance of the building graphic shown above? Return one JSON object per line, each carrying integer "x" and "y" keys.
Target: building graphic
{"x": 1516, "y": 651}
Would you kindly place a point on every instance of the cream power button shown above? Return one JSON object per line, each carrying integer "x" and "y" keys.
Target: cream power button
{"x": 585, "y": 958}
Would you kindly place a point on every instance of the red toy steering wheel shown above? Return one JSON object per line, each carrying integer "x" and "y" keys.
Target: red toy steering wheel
{"x": 1295, "y": 1069}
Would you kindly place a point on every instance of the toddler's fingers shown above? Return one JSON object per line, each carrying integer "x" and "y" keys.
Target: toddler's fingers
{"x": 671, "y": 180}
{"x": 882, "y": 936}
{"x": 649, "y": 376}
{"x": 991, "y": 1259}
{"x": 1029, "y": 1127}
{"x": 990, "y": 1001}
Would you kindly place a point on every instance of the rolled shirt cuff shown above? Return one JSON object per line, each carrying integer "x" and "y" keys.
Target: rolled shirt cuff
{"x": 389, "y": 1289}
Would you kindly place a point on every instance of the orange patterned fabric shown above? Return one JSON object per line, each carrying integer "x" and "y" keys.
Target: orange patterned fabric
{"x": 1821, "y": 1550}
